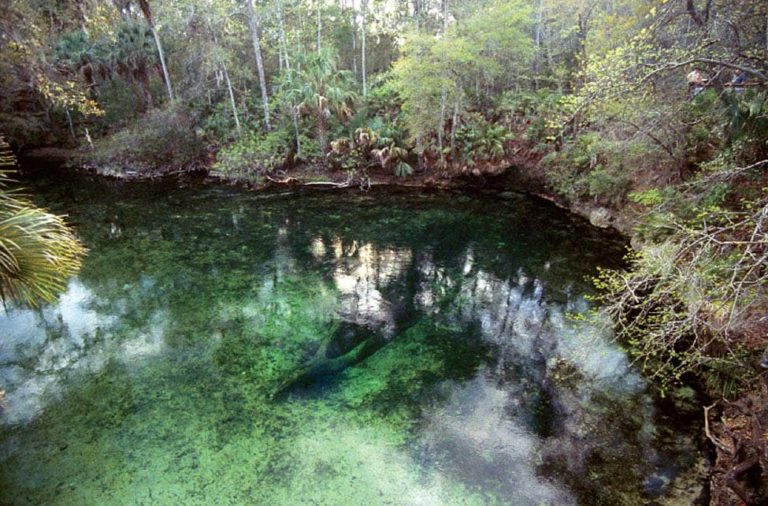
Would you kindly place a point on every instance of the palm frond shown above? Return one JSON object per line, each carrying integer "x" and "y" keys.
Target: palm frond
{"x": 38, "y": 251}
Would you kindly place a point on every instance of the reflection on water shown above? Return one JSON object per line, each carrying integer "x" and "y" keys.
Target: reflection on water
{"x": 331, "y": 348}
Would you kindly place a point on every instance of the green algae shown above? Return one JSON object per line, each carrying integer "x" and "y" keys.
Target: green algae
{"x": 160, "y": 377}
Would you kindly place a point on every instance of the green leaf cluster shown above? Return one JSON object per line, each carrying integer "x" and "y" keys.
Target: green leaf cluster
{"x": 38, "y": 251}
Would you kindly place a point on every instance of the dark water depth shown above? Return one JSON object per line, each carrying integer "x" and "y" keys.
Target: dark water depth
{"x": 222, "y": 347}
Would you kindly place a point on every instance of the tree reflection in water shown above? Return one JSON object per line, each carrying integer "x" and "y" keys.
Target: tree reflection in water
{"x": 404, "y": 349}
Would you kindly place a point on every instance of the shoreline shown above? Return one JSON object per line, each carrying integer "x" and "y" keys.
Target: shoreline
{"x": 518, "y": 175}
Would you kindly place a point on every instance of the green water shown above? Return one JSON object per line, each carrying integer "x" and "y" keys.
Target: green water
{"x": 223, "y": 347}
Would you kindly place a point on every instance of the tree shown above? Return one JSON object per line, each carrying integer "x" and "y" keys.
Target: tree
{"x": 253, "y": 26}
{"x": 145, "y": 9}
{"x": 320, "y": 88}
{"x": 362, "y": 48}
{"x": 30, "y": 85}
{"x": 133, "y": 58}
{"x": 492, "y": 45}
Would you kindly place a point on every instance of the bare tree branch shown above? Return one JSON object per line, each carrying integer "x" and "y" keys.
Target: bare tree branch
{"x": 709, "y": 61}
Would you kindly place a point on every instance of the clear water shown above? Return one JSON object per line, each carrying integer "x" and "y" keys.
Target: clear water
{"x": 223, "y": 347}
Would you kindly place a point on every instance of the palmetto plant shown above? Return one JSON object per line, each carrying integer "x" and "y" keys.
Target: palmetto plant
{"x": 74, "y": 52}
{"x": 38, "y": 251}
{"x": 133, "y": 55}
{"x": 483, "y": 141}
{"x": 321, "y": 90}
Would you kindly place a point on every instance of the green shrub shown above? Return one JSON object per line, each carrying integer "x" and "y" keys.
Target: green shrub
{"x": 38, "y": 251}
{"x": 255, "y": 154}
{"x": 122, "y": 104}
{"x": 534, "y": 109}
{"x": 694, "y": 289}
{"x": 607, "y": 185}
{"x": 162, "y": 139}
{"x": 367, "y": 148}
{"x": 403, "y": 169}
{"x": 652, "y": 197}
{"x": 596, "y": 165}
{"x": 218, "y": 123}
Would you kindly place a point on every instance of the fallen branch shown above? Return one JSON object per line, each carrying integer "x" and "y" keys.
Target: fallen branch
{"x": 727, "y": 175}
{"x": 286, "y": 181}
{"x": 345, "y": 184}
{"x": 715, "y": 441}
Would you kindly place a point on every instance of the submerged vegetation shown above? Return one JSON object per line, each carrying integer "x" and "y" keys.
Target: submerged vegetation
{"x": 283, "y": 348}
{"x": 651, "y": 113}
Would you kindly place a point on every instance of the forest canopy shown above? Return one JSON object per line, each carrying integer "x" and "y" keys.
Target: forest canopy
{"x": 443, "y": 84}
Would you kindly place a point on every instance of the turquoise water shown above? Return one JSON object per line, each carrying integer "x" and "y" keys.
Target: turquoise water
{"x": 224, "y": 347}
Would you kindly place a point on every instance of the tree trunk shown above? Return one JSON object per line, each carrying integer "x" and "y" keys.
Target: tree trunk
{"x": 354, "y": 41}
{"x": 287, "y": 61}
{"x": 419, "y": 139}
{"x": 445, "y": 15}
{"x": 259, "y": 62}
{"x": 443, "y": 95}
{"x": 321, "y": 135}
{"x": 362, "y": 59}
{"x": 538, "y": 37}
{"x": 550, "y": 59}
{"x": 295, "y": 120}
{"x": 700, "y": 19}
{"x": 147, "y": 12}
{"x": 281, "y": 34}
{"x": 146, "y": 93}
{"x": 440, "y": 126}
{"x": 454, "y": 119}
{"x": 70, "y": 125}
{"x": 319, "y": 26}
{"x": 166, "y": 76}
{"x": 232, "y": 100}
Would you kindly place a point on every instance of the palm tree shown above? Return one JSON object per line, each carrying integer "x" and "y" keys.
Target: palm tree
{"x": 132, "y": 56}
{"x": 317, "y": 86}
{"x": 38, "y": 251}
{"x": 74, "y": 53}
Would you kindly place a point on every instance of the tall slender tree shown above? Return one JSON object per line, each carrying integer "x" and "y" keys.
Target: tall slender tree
{"x": 147, "y": 11}
{"x": 231, "y": 98}
{"x": 281, "y": 34}
{"x": 319, "y": 25}
{"x": 364, "y": 14}
{"x": 354, "y": 38}
{"x": 443, "y": 93}
{"x": 253, "y": 26}
{"x": 288, "y": 73}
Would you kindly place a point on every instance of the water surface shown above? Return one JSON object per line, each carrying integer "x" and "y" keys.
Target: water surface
{"x": 223, "y": 347}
